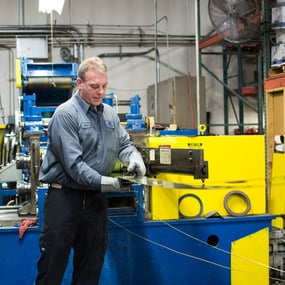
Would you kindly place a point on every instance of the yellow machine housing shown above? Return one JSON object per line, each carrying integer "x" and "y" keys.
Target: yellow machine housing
{"x": 235, "y": 163}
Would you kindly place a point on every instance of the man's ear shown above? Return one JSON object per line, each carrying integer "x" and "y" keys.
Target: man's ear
{"x": 78, "y": 82}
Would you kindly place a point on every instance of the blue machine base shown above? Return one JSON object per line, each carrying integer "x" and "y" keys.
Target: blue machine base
{"x": 146, "y": 252}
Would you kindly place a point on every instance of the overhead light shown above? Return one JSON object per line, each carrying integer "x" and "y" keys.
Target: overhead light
{"x": 46, "y": 6}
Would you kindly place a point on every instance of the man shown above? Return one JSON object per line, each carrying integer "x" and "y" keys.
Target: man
{"x": 85, "y": 140}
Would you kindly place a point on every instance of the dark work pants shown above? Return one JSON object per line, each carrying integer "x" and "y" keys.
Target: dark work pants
{"x": 73, "y": 219}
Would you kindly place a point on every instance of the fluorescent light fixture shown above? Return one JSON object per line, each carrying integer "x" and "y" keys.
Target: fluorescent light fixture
{"x": 46, "y": 6}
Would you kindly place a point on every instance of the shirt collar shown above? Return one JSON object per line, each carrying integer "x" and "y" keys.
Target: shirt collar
{"x": 85, "y": 106}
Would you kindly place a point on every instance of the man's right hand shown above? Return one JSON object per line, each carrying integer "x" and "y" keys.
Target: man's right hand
{"x": 109, "y": 184}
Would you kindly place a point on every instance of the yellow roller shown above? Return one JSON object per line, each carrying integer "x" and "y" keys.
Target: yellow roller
{"x": 50, "y": 82}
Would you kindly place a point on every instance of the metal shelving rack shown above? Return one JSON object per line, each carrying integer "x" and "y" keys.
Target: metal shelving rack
{"x": 261, "y": 50}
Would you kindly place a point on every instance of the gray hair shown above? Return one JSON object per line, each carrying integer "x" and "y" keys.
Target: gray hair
{"x": 95, "y": 64}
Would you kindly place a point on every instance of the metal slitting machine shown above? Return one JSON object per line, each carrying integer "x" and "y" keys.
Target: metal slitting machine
{"x": 201, "y": 207}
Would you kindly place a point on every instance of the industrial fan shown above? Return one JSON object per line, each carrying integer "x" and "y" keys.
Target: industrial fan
{"x": 236, "y": 21}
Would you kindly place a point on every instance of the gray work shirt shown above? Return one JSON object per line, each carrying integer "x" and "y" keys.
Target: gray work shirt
{"x": 83, "y": 145}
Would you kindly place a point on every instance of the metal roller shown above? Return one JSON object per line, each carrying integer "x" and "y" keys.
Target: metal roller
{"x": 49, "y": 83}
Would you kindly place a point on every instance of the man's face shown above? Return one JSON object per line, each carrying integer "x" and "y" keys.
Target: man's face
{"x": 92, "y": 89}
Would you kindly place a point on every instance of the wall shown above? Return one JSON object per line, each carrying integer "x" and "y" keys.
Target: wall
{"x": 128, "y": 76}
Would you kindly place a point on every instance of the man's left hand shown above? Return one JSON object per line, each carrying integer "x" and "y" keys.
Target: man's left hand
{"x": 136, "y": 164}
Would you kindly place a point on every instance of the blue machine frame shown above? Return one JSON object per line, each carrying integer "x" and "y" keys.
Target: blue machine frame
{"x": 141, "y": 252}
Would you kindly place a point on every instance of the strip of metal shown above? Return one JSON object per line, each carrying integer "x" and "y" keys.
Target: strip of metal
{"x": 148, "y": 181}
{"x": 153, "y": 182}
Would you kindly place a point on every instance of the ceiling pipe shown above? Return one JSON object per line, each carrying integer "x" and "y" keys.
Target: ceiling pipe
{"x": 12, "y": 30}
{"x": 68, "y": 34}
{"x": 127, "y": 54}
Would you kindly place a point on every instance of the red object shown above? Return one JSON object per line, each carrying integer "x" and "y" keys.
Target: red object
{"x": 249, "y": 91}
{"x": 210, "y": 41}
{"x": 274, "y": 82}
{"x": 25, "y": 223}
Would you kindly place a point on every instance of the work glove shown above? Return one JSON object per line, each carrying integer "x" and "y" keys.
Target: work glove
{"x": 136, "y": 164}
{"x": 109, "y": 184}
